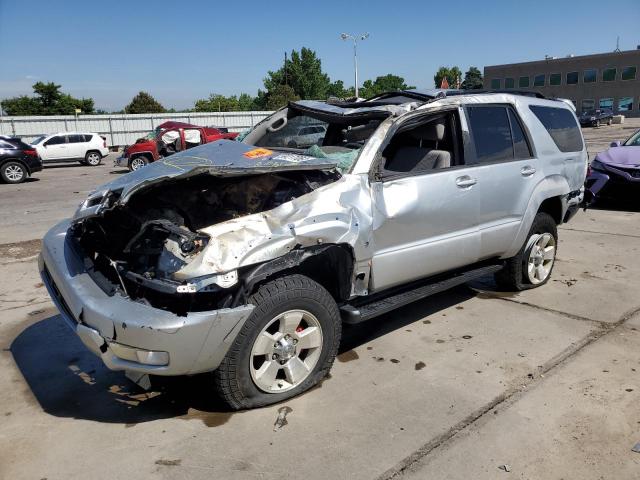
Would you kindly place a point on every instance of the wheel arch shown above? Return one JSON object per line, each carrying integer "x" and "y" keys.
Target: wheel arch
{"x": 17, "y": 160}
{"x": 330, "y": 265}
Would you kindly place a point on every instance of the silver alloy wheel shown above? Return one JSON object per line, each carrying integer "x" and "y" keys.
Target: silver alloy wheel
{"x": 137, "y": 163}
{"x": 286, "y": 351}
{"x": 14, "y": 173}
{"x": 541, "y": 258}
{"x": 93, "y": 159}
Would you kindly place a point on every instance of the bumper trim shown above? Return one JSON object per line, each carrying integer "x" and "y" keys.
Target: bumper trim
{"x": 195, "y": 343}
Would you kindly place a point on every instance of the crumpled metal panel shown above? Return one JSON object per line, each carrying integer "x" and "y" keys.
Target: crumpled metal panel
{"x": 336, "y": 213}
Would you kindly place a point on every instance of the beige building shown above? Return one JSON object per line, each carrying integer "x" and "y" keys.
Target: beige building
{"x": 604, "y": 80}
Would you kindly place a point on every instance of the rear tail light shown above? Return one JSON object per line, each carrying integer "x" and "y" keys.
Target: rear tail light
{"x": 31, "y": 153}
{"x": 104, "y": 141}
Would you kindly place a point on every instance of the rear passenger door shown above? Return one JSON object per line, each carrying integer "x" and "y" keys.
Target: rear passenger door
{"x": 77, "y": 146}
{"x": 506, "y": 172}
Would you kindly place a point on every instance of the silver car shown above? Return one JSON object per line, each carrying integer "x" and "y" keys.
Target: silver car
{"x": 246, "y": 258}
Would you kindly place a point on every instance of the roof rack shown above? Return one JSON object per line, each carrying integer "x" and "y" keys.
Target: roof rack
{"x": 524, "y": 93}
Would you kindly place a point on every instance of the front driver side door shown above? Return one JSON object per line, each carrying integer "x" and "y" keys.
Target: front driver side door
{"x": 55, "y": 148}
{"x": 425, "y": 222}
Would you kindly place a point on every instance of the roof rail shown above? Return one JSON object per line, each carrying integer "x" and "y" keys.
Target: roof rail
{"x": 524, "y": 93}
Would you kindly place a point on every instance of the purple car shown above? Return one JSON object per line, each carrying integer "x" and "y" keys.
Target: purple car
{"x": 616, "y": 171}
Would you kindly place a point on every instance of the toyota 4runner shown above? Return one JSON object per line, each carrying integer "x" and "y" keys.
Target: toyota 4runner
{"x": 246, "y": 258}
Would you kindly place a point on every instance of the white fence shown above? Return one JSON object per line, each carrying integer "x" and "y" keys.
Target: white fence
{"x": 122, "y": 129}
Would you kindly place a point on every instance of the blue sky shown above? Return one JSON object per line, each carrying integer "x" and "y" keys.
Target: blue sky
{"x": 182, "y": 51}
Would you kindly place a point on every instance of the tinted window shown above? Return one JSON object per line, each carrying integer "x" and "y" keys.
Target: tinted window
{"x": 509, "y": 83}
{"x": 87, "y": 137}
{"x": 491, "y": 134}
{"x": 572, "y": 78}
{"x": 561, "y": 125}
{"x": 625, "y": 104}
{"x": 555, "y": 79}
{"x": 629, "y": 73}
{"x": 4, "y": 144}
{"x": 609, "y": 75}
{"x": 292, "y": 135}
{"x": 589, "y": 76}
{"x": 520, "y": 146}
{"x": 495, "y": 83}
{"x": 523, "y": 82}
{"x": 57, "y": 140}
{"x": 538, "y": 81}
{"x": 76, "y": 139}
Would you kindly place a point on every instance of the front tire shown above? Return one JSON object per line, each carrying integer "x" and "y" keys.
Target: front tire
{"x": 137, "y": 163}
{"x": 533, "y": 264}
{"x": 13, "y": 172}
{"x": 286, "y": 346}
{"x": 93, "y": 158}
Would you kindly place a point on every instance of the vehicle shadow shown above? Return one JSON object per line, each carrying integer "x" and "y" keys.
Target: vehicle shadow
{"x": 54, "y": 166}
{"x": 121, "y": 171}
{"x": 622, "y": 204}
{"x": 69, "y": 381}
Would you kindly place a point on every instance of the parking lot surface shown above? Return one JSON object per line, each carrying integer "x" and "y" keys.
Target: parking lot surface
{"x": 471, "y": 383}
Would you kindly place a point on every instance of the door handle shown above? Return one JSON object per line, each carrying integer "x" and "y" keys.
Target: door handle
{"x": 527, "y": 171}
{"x": 466, "y": 181}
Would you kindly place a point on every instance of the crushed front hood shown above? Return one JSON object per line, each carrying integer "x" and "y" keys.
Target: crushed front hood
{"x": 220, "y": 158}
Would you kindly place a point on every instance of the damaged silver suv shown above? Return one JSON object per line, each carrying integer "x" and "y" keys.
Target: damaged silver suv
{"x": 245, "y": 258}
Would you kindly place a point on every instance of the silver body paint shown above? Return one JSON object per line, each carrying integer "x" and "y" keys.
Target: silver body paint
{"x": 399, "y": 230}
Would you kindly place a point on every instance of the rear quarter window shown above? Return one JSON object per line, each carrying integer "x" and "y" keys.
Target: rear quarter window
{"x": 561, "y": 125}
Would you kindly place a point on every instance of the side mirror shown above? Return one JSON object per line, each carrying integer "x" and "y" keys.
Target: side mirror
{"x": 617, "y": 143}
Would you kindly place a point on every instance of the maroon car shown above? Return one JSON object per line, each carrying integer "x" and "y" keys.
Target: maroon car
{"x": 167, "y": 139}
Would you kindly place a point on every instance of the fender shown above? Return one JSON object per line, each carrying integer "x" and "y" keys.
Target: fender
{"x": 548, "y": 187}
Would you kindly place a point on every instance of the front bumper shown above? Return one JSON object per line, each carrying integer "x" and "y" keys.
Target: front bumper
{"x": 121, "y": 161}
{"x": 115, "y": 327}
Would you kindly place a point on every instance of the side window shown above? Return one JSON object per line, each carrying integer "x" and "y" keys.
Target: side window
{"x": 6, "y": 145}
{"x": 561, "y": 125}
{"x": 87, "y": 137}
{"x": 76, "y": 139}
{"x": 292, "y": 134}
{"x": 57, "y": 140}
{"x": 521, "y": 148}
{"x": 422, "y": 145}
{"x": 491, "y": 134}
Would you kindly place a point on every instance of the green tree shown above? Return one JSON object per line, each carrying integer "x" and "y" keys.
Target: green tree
{"x": 144, "y": 103}
{"x": 385, "y": 83}
{"x": 303, "y": 73}
{"x": 280, "y": 96}
{"x": 49, "y": 100}
{"x": 337, "y": 90}
{"x": 472, "y": 79}
{"x": 452, "y": 74}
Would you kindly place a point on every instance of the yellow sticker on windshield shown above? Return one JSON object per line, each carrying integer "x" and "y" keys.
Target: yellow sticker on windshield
{"x": 258, "y": 152}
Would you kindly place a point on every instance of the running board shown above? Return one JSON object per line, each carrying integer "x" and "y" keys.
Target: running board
{"x": 353, "y": 314}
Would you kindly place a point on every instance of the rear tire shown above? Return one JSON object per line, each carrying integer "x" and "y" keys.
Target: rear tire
{"x": 533, "y": 264}
{"x": 93, "y": 158}
{"x": 13, "y": 172}
{"x": 267, "y": 362}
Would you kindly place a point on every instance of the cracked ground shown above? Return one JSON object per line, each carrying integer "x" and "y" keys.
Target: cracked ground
{"x": 466, "y": 384}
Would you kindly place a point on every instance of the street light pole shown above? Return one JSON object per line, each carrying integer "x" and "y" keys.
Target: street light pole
{"x": 355, "y": 38}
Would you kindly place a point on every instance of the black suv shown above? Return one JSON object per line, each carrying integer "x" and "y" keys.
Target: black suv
{"x": 594, "y": 118}
{"x": 17, "y": 160}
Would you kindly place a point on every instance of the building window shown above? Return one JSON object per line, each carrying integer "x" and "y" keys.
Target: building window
{"x": 625, "y": 104}
{"x": 606, "y": 103}
{"x": 609, "y": 74}
{"x": 588, "y": 105}
{"x": 629, "y": 73}
{"x": 572, "y": 78}
{"x": 555, "y": 79}
{"x": 509, "y": 83}
{"x": 589, "y": 76}
{"x": 538, "y": 81}
{"x": 496, "y": 83}
{"x": 523, "y": 82}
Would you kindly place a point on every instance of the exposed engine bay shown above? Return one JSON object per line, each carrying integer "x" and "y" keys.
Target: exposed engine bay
{"x": 142, "y": 248}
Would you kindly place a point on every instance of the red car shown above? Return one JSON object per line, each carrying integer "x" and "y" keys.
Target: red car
{"x": 167, "y": 139}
